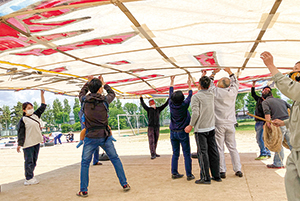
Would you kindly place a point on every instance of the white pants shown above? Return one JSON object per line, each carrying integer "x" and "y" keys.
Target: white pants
{"x": 292, "y": 176}
{"x": 226, "y": 134}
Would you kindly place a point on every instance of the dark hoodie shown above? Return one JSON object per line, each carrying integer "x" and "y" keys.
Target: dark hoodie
{"x": 180, "y": 116}
{"x": 95, "y": 112}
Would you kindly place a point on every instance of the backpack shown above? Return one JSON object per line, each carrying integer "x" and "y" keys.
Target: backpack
{"x": 81, "y": 112}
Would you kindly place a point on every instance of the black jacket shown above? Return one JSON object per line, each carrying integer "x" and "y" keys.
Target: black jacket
{"x": 258, "y": 108}
{"x": 153, "y": 114}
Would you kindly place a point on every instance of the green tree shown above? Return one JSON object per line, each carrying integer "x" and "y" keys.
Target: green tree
{"x": 76, "y": 109}
{"x": 165, "y": 114}
{"x": 240, "y": 102}
{"x": 130, "y": 108}
{"x": 67, "y": 107}
{"x": 48, "y": 117}
{"x": 290, "y": 101}
{"x": 35, "y": 106}
{"x": 5, "y": 118}
{"x": 57, "y": 109}
{"x": 116, "y": 104}
{"x": 250, "y": 104}
{"x": 66, "y": 128}
{"x": 143, "y": 121}
{"x": 76, "y": 126}
{"x": 115, "y": 108}
{"x": 276, "y": 93}
{"x": 66, "y": 111}
{"x": 17, "y": 113}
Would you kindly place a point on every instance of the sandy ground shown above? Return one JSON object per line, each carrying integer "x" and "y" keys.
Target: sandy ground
{"x": 59, "y": 166}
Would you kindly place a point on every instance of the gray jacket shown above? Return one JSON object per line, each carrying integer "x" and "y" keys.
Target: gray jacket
{"x": 291, "y": 89}
{"x": 203, "y": 112}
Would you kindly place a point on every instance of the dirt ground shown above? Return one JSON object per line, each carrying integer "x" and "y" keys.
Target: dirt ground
{"x": 58, "y": 171}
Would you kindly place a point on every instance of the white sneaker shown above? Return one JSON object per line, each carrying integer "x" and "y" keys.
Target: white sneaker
{"x": 31, "y": 181}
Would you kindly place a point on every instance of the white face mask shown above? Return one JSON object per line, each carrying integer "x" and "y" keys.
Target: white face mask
{"x": 30, "y": 112}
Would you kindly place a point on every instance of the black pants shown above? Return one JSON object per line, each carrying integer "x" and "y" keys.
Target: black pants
{"x": 153, "y": 135}
{"x": 30, "y": 156}
{"x": 208, "y": 155}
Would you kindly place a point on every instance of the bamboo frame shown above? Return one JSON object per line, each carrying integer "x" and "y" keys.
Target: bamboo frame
{"x": 69, "y": 55}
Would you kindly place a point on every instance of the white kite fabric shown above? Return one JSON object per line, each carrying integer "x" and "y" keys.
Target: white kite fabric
{"x": 137, "y": 45}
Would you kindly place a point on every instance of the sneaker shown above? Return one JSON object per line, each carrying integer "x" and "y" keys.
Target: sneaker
{"x": 82, "y": 194}
{"x": 32, "y": 181}
{"x": 261, "y": 158}
{"x": 216, "y": 179}
{"x": 177, "y": 176}
{"x": 269, "y": 156}
{"x": 223, "y": 175}
{"x": 189, "y": 178}
{"x": 153, "y": 157}
{"x": 202, "y": 181}
{"x": 157, "y": 155}
{"x": 274, "y": 167}
{"x": 126, "y": 187}
{"x": 98, "y": 163}
{"x": 239, "y": 174}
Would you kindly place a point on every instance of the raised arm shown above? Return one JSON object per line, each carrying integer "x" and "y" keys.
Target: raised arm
{"x": 253, "y": 93}
{"x": 234, "y": 84}
{"x": 161, "y": 108}
{"x": 188, "y": 99}
{"x": 171, "y": 89}
{"x": 85, "y": 89}
{"x": 43, "y": 106}
{"x": 286, "y": 85}
{"x": 212, "y": 86}
{"x": 143, "y": 104}
{"x": 269, "y": 62}
{"x": 110, "y": 93}
{"x": 43, "y": 97}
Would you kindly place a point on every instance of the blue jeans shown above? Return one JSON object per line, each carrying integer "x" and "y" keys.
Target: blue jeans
{"x": 57, "y": 138}
{"x": 278, "y": 157}
{"x": 259, "y": 128}
{"x": 96, "y": 156}
{"x": 89, "y": 147}
{"x": 177, "y": 138}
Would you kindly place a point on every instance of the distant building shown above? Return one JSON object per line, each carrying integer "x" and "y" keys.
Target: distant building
{"x": 243, "y": 115}
{"x": 72, "y": 119}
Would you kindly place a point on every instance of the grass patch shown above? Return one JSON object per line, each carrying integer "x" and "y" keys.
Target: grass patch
{"x": 245, "y": 127}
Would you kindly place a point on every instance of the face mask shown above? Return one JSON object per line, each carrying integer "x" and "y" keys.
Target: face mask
{"x": 30, "y": 112}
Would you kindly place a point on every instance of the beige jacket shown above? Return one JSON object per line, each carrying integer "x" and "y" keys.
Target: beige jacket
{"x": 291, "y": 89}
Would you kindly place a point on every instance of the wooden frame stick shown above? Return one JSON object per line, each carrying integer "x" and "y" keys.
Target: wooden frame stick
{"x": 257, "y": 117}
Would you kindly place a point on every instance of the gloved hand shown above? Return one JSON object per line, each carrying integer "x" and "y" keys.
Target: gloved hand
{"x": 79, "y": 144}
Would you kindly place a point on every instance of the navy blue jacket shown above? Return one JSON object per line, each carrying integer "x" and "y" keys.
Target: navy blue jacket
{"x": 180, "y": 116}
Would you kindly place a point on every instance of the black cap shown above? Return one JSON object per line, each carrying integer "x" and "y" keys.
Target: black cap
{"x": 267, "y": 87}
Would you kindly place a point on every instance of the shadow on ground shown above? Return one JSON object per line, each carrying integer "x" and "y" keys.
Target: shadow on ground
{"x": 151, "y": 180}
